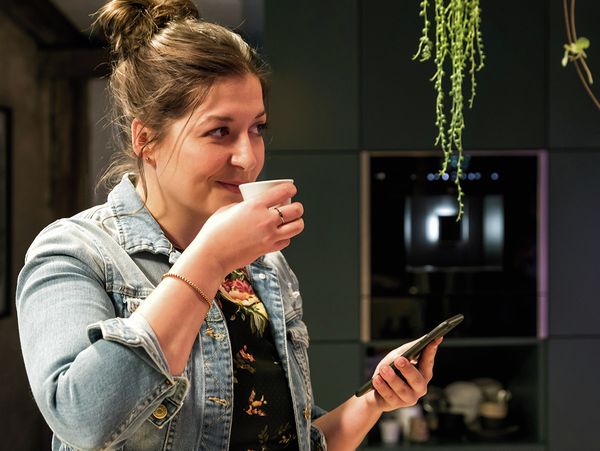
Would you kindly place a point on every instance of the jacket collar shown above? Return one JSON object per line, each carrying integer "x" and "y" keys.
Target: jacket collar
{"x": 137, "y": 229}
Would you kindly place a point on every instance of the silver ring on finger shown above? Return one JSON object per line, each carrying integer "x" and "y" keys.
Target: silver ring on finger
{"x": 280, "y": 215}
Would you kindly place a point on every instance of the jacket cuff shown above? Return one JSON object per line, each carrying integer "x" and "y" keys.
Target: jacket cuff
{"x": 133, "y": 332}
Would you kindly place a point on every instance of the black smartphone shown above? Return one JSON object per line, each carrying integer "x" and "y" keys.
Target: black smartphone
{"x": 415, "y": 350}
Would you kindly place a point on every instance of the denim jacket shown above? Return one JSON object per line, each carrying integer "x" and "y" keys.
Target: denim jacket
{"x": 96, "y": 368}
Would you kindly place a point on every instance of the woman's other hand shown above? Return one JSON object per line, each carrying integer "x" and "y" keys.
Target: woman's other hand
{"x": 390, "y": 391}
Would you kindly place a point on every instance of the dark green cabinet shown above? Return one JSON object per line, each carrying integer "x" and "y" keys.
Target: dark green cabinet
{"x": 325, "y": 256}
{"x": 335, "y": 369}
{"x": 574, "y": 245}
{"x": 572, "y": 115}
{"x": 398, "y": 101}
{"x": 573, "y": 395}
{"x": 312, "y": 48}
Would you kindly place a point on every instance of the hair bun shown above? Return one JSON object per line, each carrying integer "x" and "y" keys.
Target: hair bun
{"x": 130, "y": 24}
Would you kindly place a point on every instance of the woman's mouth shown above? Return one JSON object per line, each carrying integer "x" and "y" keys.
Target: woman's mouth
{"x": 231, "y": 186}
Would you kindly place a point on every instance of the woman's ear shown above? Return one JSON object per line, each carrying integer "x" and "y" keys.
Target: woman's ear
{"x": 140, "y": 138}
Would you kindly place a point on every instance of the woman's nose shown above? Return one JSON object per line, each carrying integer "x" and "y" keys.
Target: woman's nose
{"x": 244, "y": 154}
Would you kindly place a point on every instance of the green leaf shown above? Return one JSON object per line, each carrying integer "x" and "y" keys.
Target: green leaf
{"x": 237, "y": 274}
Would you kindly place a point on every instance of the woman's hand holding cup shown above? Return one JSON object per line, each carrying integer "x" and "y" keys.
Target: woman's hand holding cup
{"x": 264, "y": 222}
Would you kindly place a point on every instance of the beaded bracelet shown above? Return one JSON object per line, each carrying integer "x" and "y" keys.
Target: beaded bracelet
{"x": 191, "y": 284}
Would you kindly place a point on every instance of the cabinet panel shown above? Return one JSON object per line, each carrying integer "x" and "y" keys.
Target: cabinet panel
{"x": 312, "y": 49}
{"x": 397, "y": 101}
{"x": 334, "y": 369}
{"x": 573, "y": 395}
{"x": 325, "y": 257}
{"x": 574, "y": 245}
{"x": 572, "y": 114}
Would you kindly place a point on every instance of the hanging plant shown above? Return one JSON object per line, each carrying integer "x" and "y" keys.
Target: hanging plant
{"x": 575, "y": 51}
{"x": 457, "y": 41}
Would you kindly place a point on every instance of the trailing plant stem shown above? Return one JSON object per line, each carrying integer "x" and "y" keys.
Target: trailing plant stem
{"x": 457, "y": 36}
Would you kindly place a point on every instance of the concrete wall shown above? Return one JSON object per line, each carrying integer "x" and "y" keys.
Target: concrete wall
{"x": 100, "y": 137}
{"x": 28, "y": 95}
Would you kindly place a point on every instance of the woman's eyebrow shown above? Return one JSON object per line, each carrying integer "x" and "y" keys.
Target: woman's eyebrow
{"x": 218, "y": 117}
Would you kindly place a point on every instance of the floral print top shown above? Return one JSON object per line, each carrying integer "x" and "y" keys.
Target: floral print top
{"x": 263, "y": 417}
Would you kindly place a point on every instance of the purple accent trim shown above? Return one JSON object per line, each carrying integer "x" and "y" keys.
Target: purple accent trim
{"x": 542, "y": 245}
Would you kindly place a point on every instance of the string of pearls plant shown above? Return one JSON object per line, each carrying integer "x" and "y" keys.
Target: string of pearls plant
{"x": 457, "y": 39}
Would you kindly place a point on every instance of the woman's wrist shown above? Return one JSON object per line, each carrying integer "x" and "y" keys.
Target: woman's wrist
{"x": 191, "y": 284}
{"x": 208, "y": 254}
{"x": 372, "y": 404}
{"x": 199, "y": 262}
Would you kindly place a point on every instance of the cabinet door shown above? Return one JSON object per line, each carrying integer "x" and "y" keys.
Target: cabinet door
{"x": 573, "y": 395}
{"x": 335, "y": 370}
{"x": 398, "y": 101}
{"x": 312, "y": 47}
{"x": 574, "y": 245}
{"x": 573, "y": 116}
{"x": 325, "y": 257}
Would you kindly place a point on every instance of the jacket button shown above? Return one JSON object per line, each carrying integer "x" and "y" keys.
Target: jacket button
{"x": 262, "y": 276}
{"x": 160, "y": 412}
{"x": 307, "y": 412}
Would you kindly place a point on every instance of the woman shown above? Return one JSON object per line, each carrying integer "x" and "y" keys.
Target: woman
{"x": 167, "y": 318}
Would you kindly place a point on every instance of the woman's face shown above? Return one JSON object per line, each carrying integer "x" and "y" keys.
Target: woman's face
{"x": 199, "y": 164}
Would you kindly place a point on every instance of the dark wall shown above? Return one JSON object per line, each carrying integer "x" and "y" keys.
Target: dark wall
{"x": 47, "y": 177}
{"x": 22, "y": 426}
{"x": 344, "y": 81}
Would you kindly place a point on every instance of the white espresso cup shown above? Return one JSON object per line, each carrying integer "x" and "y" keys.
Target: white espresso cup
{"x": 253, "y": 189}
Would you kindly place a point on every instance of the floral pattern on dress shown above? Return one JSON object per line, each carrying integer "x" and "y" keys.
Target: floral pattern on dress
{"x": 243, "y": 360}
{"x": 263, "y": 418}
{"x": 236, "y": 288}
{"x": 255, "y": 406}
{"x": 286, "y": 435}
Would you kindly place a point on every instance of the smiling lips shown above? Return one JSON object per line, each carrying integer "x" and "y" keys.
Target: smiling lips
{"x": 231, "y": 186}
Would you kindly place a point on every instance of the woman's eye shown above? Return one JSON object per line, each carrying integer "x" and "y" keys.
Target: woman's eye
{"x": 219, "y": 132}
{"x": 259, "y": 129}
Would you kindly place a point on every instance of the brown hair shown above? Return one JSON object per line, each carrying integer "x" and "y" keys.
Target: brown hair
{"x": 166, "y": 59}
